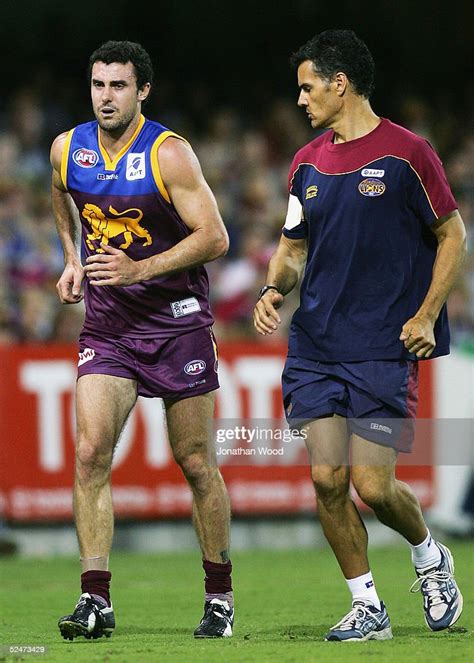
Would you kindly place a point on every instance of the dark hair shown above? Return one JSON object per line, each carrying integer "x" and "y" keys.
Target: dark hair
{"x": 340, "y": 50}
{"x": 123, "y": 52}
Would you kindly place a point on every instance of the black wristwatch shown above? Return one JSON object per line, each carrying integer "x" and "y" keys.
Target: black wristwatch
{"x": 265, "y": 289}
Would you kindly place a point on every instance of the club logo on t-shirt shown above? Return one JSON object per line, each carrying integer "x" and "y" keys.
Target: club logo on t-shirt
{"x": 372, "y": 187}
{"x": 85, "y": 158}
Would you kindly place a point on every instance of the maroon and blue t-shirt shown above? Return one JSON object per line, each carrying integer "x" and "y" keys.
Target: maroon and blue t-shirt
{"x": 365, "y": 208}
{"x": 124, "y": 203}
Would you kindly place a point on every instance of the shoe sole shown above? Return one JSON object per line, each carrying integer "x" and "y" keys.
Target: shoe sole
{"x": 457, "y": 614}
{"x": 70, "y": 630}
{"x": 385, "y": 634}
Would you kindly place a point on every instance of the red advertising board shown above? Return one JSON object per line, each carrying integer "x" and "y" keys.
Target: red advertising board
{"x": 37, "y": 441}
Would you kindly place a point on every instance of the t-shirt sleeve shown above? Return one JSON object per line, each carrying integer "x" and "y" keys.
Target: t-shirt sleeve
{"x": 430, "y": 193}
{"x": 295, "y": 224}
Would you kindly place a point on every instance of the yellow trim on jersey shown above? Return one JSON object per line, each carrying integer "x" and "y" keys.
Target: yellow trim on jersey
{"x": 65, "y": 157}
{"x": 111, "y": 164}
{"x": 348, "y": 172}
{"x": 155, "y": 166}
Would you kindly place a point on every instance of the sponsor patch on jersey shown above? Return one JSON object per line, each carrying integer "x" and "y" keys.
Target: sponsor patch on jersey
{"x": 185, "y": 307}
{"x": 87, "y": 355}
{"x": 195, "y": 367}
{"x": 311, "y": 191}
{"x": 135, "y": 166}
{"x": 372, "y": 187}
{"x": 85, "y": 158}
{"x": 372, "y": 172}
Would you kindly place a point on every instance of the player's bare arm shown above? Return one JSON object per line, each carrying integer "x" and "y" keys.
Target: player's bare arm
{"x": 417, "y": 332}
{"x": 284, "y": 271}
{"x": 197, "y": 207}
{"x": 69, "y": 284}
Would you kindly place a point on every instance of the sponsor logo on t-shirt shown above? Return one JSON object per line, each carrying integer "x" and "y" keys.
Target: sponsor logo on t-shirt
{"x": 185, "y": 307}
{"x": 107, "y": 176}
{"x": 372, "y": 172}
{"x": 311, "y": 191}
{"x": 86, "y": 355}
{"x": 372, "y": 187}
{"x": 195, "y": 367}
{"x": 85, "y": 158}
{"x": 135, "y": 166}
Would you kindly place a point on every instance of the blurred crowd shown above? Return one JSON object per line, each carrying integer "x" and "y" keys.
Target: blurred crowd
{"x": 245, "y": 158}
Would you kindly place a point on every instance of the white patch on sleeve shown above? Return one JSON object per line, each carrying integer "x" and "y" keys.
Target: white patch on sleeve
{"x": 294, "y": 215}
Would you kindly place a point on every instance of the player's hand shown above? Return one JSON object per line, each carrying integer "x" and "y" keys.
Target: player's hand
{"x": 265, "y": 316}
{"x": 69, "y": 285}
{"x": 113, "y": 267}
{"x": 418, "y": 336}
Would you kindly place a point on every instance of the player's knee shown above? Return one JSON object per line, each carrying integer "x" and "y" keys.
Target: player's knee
{"x": 91, "y": 461}
{"x": 375, "y": 492}
{"x": 330, "y": 483}
{"x": 196, "y": 470}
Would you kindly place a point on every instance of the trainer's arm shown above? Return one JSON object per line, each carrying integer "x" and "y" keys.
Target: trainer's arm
{"x": 197, "y": 207}
{"x": 69, "y": 284}
{"x": 284, "y": 271}
{"x": 418, "y": 332}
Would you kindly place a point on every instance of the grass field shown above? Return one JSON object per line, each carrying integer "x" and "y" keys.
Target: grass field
{"x": 285, "y": 601}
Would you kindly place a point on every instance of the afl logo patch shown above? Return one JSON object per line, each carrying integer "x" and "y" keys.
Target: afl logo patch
{"x": 85, "y": 158}
{"x": 372, "y": 187}
{"x": 195, "y": 367}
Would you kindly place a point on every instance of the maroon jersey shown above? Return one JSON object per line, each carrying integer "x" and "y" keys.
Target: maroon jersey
{"x": 123, "y": 202}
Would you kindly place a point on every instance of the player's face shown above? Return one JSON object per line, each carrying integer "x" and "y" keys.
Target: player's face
{"x": 318, "y": 97}
{"x": 115, "y": 97}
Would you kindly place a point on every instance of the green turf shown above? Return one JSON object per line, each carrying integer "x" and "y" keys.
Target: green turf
{"x": 285, "y": 601}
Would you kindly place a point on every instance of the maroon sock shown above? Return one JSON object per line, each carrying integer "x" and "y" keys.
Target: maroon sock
{"x": 217, "y": 580}
{"x": 96, "y": 582}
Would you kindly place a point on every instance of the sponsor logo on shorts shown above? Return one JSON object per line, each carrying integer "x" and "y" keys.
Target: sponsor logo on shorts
{"x": 85, "y": 158}
{"x": 86, "y": 355}
{"x": 195, "y": 367}
{"x": 384, "y": 429}
{"x": 185, "y": 307}
{"x": 197, "y": 383}
{"x": 311, "y": 191}
{"x": 135, "y": 166}
{"x": 372, "y": 172}
{"x": 372, "y": 187}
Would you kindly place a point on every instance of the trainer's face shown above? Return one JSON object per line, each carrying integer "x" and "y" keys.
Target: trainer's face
{"x": 318, "y": 96}
{"x": 115, "y": 97}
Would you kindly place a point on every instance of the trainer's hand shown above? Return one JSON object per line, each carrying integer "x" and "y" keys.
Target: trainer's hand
{"x": 69, "y": 285}
{"x": 113, "y": 267}
{"x": 265, "y": 316}
{"x": 418, "y": 336}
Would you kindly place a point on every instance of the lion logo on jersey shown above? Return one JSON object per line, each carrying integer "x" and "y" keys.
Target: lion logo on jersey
{"x": 106, "y": 227}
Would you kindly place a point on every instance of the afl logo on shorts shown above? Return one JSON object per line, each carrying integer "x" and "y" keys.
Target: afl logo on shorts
{"x": 372, "y": 187}
{"x": 195, "y": 367}
{"x": 85, "y": 158}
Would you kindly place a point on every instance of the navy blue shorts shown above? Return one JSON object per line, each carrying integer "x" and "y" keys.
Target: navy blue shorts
{"x": 378, "y": 398}
{"x": 173, "y": 368}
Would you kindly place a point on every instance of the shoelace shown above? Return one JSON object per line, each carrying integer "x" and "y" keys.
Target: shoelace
{"x": 355, "y": 616}
{"x": 431, "y": 584}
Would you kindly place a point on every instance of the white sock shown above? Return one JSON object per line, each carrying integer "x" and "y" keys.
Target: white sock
{"x": 362, "y": 588}
{"x": 426, "y": 553}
